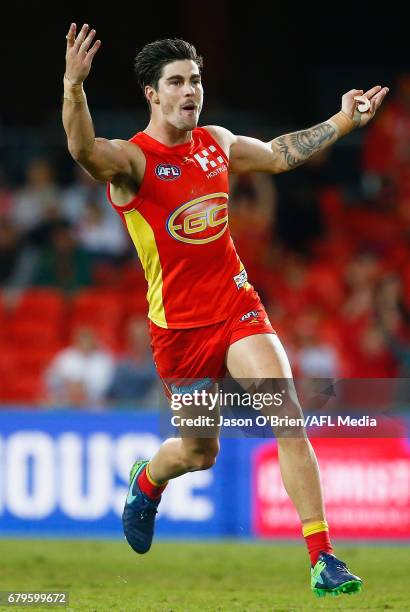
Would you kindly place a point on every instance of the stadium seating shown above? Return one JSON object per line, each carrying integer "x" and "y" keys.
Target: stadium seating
{"x": 42, "y": 323}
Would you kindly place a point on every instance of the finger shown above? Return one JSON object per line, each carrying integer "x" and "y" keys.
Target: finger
{"x": 354, "y": 92}
{"x": 374, "y": 90}
{"x": 87, "y": 41}
{"x": 71, "y": 35}
{"x": 378, "y": 98}
{"x": 81, "y": 36}
{"x": 94, "y": 49}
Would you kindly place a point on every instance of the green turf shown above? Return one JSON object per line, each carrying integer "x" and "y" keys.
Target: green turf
{"x": 181, "y": 576}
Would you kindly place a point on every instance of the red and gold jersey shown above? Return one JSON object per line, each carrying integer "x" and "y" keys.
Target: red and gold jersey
{"x": 178, "y": 222}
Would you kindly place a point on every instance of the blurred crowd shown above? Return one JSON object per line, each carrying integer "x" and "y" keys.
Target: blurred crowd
{"x": 329, "y": 258}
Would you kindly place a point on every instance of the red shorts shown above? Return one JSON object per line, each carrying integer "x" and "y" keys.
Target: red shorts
{"x": 200, "y": 352}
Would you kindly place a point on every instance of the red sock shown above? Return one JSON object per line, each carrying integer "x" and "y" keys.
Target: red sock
{"x": 317, "y": 539}
{"x": 148, "y": 485}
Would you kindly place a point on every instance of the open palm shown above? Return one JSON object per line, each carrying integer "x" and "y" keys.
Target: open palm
{"x": 79, "y": 55}
{"x": 375, "y": 95}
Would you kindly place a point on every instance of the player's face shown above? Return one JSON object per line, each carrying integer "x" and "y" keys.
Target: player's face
{"x": 180, "y": 94}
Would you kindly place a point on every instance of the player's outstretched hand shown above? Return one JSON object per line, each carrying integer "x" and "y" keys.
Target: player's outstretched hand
{"x": 79, "y": 55}
{"x": 357, "y": 109}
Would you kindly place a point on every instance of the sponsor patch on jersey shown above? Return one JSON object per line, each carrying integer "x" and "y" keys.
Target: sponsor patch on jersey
{"x": 241, "y": 279}
{"x": 201, "y": 220}
{"x": 248, "y": 315}
{"x": 168, "y": 172}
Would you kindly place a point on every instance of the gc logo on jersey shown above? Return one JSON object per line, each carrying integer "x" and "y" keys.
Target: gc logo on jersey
{"x": 168, "y": 172}
{"x": 201, "y": 220}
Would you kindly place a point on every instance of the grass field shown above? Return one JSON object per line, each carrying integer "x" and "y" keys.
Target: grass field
{"x": 185, "y": 576}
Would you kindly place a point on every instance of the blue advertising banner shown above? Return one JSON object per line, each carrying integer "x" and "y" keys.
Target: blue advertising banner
{"x": 66, "y": 473}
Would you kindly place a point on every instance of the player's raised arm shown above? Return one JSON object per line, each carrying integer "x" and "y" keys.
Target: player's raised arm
{"x": 103, "y": 159}
{"x": 291, "y": 150}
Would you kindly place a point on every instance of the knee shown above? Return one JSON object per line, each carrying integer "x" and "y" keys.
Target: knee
{"x": 202, "y": 461}
{"x": 201, "y": 458}
{"x": 299, "y": 443}
{"x": 297, "y": 446}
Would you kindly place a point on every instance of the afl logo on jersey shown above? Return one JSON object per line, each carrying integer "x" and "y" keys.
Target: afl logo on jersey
{"x": 167, "y": 172}
{"x": 201, "y": 220}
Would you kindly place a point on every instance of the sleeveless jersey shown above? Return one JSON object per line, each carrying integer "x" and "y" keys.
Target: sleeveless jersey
{"x": 178, "y": 222}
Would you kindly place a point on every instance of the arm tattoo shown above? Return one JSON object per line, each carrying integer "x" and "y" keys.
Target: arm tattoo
{"x": 298, "y": 147}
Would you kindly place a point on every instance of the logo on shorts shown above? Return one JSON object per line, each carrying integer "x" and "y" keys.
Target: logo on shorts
{"x": 241, "y": 279}
{"x": 189, "y": 389}
{"x": 200, "y": 221}
{"x": 248, "y": 315}
{"x": 168, "y": 172}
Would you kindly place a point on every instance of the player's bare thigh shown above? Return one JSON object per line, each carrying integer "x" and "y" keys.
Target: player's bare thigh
{"x": 260, "y": 363}
{"x": 259, "y": 356}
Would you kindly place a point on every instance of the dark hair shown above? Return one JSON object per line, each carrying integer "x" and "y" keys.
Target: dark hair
{"x": 149, "y": 62}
